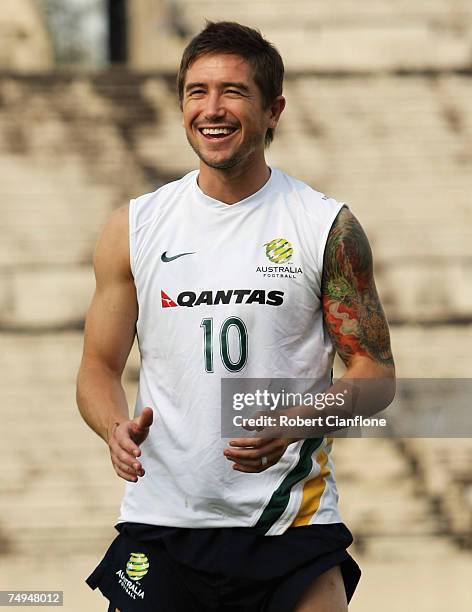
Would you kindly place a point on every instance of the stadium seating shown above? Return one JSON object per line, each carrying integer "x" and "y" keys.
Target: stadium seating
{"x": 75, "y": 146}
{"x": 395, "y": 149}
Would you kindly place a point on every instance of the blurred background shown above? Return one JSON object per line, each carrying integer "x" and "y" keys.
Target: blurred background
{"x": 379, "y": 114}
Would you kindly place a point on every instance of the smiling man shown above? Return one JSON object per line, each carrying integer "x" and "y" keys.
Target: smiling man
{"x": 198, "y": 270}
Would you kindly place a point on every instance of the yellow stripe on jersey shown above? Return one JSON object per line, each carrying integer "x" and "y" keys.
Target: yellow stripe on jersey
{"x": 312, "y": 492}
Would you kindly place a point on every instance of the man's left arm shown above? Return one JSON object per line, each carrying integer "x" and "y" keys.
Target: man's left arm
{"x": 358, "y": 329}
{"x": 353, "y": 314}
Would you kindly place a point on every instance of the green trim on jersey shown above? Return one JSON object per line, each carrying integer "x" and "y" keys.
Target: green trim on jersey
{"x": 280, "y": 497}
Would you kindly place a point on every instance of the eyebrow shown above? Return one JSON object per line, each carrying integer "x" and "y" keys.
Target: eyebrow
{"x": 236, "y": 84}
{"x": 192, "y": 85}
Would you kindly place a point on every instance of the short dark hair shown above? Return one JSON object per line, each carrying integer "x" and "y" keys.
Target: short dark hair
{"x": 233, "y": 38}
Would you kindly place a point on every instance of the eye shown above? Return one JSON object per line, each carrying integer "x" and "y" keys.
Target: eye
{"x": 196, "y": 92}
{"x": 233, "y": 92}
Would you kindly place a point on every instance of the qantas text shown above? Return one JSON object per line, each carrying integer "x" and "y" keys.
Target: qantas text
{"x": 226, "y": 296}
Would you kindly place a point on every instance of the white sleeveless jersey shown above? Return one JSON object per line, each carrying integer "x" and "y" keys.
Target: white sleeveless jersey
{"x": 227, "y": 291}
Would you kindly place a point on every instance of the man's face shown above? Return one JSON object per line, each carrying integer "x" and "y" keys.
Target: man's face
{"x": 223, "y": 114}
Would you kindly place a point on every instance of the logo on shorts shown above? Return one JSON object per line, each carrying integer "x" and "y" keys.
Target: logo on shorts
{"x": 279, "y": 250}
{"x": 137, "y": 566}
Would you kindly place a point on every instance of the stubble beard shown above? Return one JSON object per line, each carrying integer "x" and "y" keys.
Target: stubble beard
{"x": 230, "y": 162}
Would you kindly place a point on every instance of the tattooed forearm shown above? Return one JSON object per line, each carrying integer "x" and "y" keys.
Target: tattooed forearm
{"x": 353, "y": 314}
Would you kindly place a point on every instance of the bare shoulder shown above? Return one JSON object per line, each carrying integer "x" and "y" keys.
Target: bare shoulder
{"x": 117, "y": 225}
{"x": 347, "y": 250}
{"x": 111, "y": 256}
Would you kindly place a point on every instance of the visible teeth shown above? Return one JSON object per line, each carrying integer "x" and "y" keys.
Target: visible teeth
{"x": 208, "y": 131}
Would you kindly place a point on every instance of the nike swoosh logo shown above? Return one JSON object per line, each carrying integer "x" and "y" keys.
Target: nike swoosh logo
{"x": 166, "y": 259}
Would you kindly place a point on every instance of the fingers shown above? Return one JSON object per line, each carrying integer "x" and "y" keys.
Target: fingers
{"x": 254, "y": 466}
{"x": 125, "y": 464}
{"x": 124, "y": 452}
{"x": 128, "y": 463}
{"x": 144, "y": 420}
{"x": 249, "y": 458}
{"x": 139, "y": 426}
{"x": 125, "y": 472}
{"x": 255, "y": 442}
{"x": 124, "y": 446}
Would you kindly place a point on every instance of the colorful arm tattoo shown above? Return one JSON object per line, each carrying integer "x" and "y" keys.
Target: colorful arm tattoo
{"x": 352, "y": 310}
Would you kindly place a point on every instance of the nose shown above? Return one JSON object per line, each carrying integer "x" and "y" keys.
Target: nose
{"x": 214, "y": 108}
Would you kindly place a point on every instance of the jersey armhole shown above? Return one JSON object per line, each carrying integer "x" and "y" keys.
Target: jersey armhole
{"x": 132, "y": 237}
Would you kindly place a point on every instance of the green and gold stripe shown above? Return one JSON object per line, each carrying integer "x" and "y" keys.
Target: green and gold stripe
{"x": 281, "y": 496}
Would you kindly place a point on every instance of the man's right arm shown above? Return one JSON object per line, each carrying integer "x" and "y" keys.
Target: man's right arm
{"x": 109, "y": 334}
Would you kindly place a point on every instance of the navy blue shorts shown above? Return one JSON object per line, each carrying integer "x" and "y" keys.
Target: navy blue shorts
{"x": 167, "y": 569}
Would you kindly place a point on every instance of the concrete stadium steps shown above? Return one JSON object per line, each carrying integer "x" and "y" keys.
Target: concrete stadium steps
{"x": 62, "y": 294}
{"x": 396, "y": 149}
{"x": 62, "y": 147}
{"x": 51, "y": 514}
{"x": 438, "y": 464}
{"x": 63, "y": 143}
{"x": 411, "y": 549}
{"x": 49, "y": 217}
{"x": 344, "y": 35}
{"x": 164, "y": 146}
{"x": 438, "y": 352}
{"x": 357, "y": 138}
{"x": 352, "y": 127}
{"x": 61, "y": 492}
{"x": 339, "y": 11}
{"x": 342, "y": 135}
{"x": 56, "y": 542}
{"x": 60, "y": 497}
{"x": 425, "y": 290}
{"x": 396, "y": 511}
{"x": 436, "y": 583}
{"x": 444, "y": 467}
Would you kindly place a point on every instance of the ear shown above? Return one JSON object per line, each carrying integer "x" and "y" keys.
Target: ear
{"x": 276, "y": 109}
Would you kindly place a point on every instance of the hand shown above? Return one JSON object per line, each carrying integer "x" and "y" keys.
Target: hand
{"x": 123, "y": 441}
{"x": 248, "y": 453}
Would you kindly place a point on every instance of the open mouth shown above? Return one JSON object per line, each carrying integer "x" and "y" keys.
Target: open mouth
{"x": 217, "y": 133}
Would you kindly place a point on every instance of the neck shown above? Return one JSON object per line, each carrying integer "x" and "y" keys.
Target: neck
{"x": 235, "y": 184}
